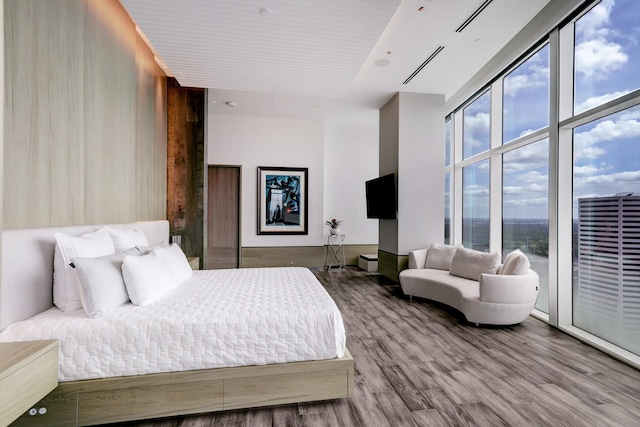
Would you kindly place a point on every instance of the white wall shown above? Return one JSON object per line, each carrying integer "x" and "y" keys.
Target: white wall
{"x": 412, "y": 146}
{"x": 350, "y": 158}
{"x": 420, "y": 176}
{"x": 266, "y": 141}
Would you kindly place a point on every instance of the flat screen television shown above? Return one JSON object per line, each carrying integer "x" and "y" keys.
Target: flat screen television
{"x": 381, "y": 197}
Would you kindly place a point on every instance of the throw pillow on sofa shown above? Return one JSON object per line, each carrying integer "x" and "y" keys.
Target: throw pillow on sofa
{"x": 470, "y": 264}
{"x": 515, "y": 263}
{"x": 439, "y": 257}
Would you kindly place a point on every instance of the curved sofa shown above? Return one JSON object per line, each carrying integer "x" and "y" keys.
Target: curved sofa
{"x": 474, "y": 283}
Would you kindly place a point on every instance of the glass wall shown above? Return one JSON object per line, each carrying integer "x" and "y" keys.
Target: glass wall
{"x": 563, "y": 175}
{"x": 607, "y": 53}
{"x": 525, "y": 209}
{"x": 476, "y": 119}
{"x": 475, "y": 206}
{"x": 525, "y": 104}
{"x": 606, "y": 231}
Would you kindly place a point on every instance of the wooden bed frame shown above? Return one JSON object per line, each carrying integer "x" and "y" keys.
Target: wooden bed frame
{"x": 27, "y": 271}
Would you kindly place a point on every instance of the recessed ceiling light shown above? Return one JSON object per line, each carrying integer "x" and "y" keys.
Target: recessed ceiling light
{"x": 382, "y": 62}
{"x": 231, "y": 103}
{"x": 265, "y": 11}
{"x": 421, "y": 8}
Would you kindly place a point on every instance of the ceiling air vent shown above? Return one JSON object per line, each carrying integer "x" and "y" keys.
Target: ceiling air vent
{"x": 473, "y": 16}
{"x": 424, "y": 64}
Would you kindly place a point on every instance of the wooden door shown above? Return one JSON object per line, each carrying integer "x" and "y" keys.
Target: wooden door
{"x": 223, "y": 217}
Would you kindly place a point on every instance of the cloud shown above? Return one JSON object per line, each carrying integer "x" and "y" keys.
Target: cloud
{"x": 476, "y": 126}
{"x": 531, "y": 74}
{"x": 532, "y": 156}
{"x": 597, "y": 18}
{"x": 596, "y": 56}
{"x": 520, "y": 203}
{"x": 585, "y": 143}
{"x": 587, "y": 170}
{"x": 476, "y": 191}
{"x": 594, "y": 101}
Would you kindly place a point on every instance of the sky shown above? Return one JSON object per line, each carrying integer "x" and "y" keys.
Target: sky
{"x": 606, "y": 152}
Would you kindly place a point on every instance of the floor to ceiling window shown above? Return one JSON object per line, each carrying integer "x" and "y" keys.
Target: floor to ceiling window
{"x": 606, "y": 231}
{"x": 525, "y": 209}
{"x": 559, "y": 170}
{"x": 476, "y": 139}
{"x": 448, "y": 134}
{"x": 525, "y": 170}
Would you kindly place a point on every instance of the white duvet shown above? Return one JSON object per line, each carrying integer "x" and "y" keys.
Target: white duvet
{"x": 218, "y": 318}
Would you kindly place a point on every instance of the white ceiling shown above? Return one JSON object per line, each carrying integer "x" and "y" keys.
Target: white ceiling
{"x": 317, "y": 60}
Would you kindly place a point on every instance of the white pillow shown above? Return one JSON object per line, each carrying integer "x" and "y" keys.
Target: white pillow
{"x": 146, "y": 278}
{"x": 470, "y": 264}
{"x": 176, "y": 261}
{"x": 440, "y": 256}
{"x": 146, "y": 249}
{"x": 515, "y": 263}
{"x": 127, "y": 238}
{"x": 101, "y": 285}
{"x": 65, "y": 281}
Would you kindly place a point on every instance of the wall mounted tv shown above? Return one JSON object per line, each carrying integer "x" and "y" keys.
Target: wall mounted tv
{"x": 381, "y": 197}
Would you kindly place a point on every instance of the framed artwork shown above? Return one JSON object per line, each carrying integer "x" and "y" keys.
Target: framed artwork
{"x": 282, "y": 200}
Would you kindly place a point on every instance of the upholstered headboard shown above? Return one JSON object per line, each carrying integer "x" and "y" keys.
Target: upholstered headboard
{"x": 26, "y": 286}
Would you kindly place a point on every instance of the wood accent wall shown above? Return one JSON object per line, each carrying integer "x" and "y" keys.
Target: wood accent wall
{"x": 85, "y": 113}
{"x": 186, "y": 166}
{"x": 299, "y": 256}
{"x": 390, "y": 265}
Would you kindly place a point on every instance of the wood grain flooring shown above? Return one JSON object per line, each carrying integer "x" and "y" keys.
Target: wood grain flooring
{"x": 420, "y": 364}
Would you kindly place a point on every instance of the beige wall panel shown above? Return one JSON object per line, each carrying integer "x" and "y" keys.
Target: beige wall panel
{"x": 291, "y": 256}
{"x": 151, "y": 134}
{"x": 352, "y": 252}
{"x": 87, "y": 140}
{"x": 109, "y": 133}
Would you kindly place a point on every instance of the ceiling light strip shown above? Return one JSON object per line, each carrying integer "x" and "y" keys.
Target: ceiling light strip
{"x": 473, "y": 16}
{"x": 424, "y": 64}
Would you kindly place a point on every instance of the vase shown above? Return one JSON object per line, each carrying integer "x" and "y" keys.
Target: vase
{"x": 334, "y": 231}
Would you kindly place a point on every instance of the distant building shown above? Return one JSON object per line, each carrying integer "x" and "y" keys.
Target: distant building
{"x": 608, "y": 294}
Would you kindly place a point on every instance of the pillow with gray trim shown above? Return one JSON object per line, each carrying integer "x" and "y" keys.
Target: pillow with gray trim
{"x": 515, "y": 263}
{"x": 470, "y": 264}
{"x": 439, "y": 256}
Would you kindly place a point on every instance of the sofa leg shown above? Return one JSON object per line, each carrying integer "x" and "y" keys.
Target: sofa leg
{"x": 410, "y": 298}
{"x": 477, "y": 325}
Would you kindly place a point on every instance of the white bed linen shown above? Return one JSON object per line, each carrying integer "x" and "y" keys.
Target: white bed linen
{"x": 217, "y": 318}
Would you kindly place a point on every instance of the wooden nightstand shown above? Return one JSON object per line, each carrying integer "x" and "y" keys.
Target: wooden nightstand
{"x": 28, "y": 372}
{"x": 194, "y": 262}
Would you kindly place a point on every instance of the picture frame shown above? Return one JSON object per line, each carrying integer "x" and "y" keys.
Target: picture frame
{"x": 283, "y": 202}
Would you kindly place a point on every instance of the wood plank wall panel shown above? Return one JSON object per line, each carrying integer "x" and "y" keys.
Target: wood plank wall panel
{"x": 87, "y": 114}
{"x": 300, "y": 256}
{"x": 186, "y": 157}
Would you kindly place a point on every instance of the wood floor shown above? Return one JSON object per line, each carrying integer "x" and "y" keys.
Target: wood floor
{"x": 421, "y": 364}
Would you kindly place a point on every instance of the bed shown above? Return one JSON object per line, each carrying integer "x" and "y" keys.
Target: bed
{"x": 178, "y": 363}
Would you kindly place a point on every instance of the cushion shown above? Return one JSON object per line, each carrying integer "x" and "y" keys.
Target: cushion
{"x": 176, "y": 262}
{"x": 66, "y": 295}
{"x": 440, "y": 256}
{"x": 146, "y": 278}
{"x": 101, "y": 285}
{"x": 127, "y": 238}
{"x": 470, "y": 264}
{"x": 146, "y": 249}
{"x": 515, "y": 263}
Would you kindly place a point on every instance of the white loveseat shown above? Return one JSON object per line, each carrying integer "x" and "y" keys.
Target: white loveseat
{"x": 473, "y": 282}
